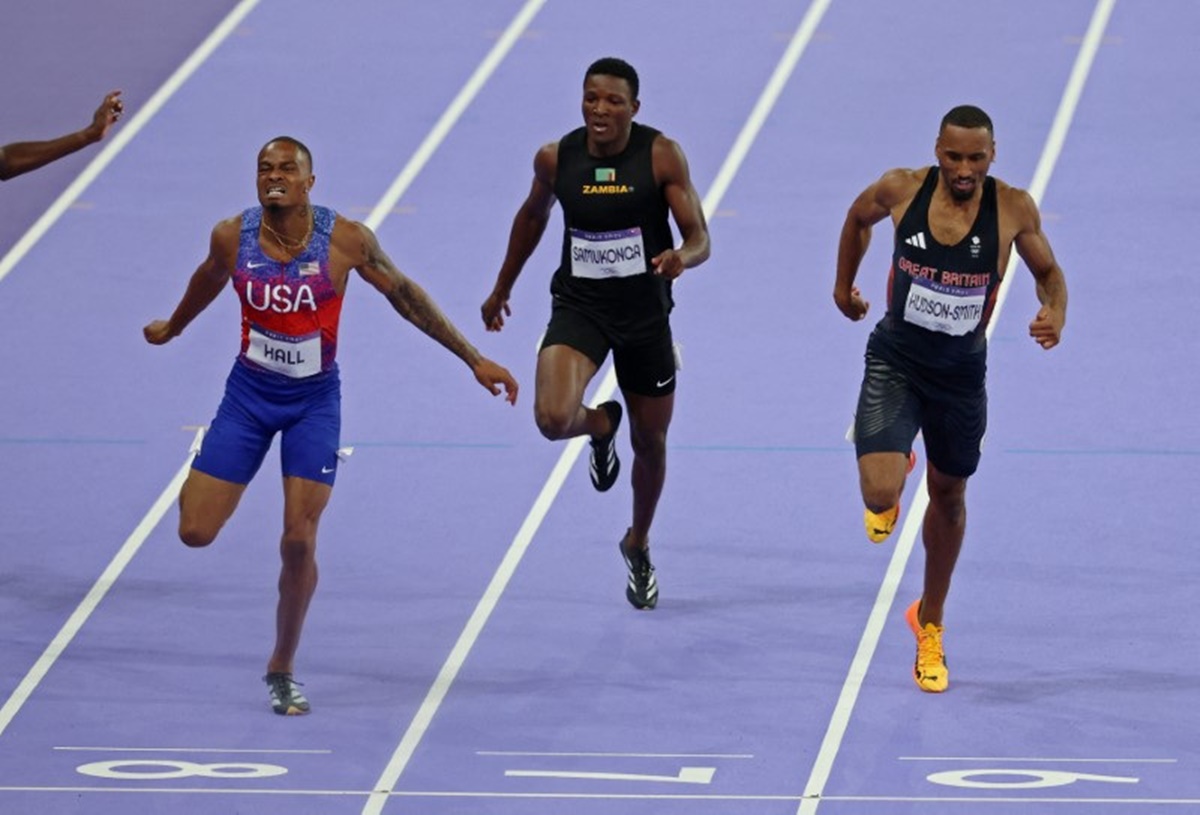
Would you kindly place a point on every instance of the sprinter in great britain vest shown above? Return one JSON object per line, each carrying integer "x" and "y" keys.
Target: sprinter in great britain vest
{"x": 940, "y": 298}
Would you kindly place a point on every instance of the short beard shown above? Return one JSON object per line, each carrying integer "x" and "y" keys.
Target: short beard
{"x": 959, "y": 195}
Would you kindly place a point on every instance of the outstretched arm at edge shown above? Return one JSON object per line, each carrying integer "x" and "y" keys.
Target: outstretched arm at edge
{"x": 413, "y": 304}
{"x": 205, "y": 284}
{"x": 22, "y": 157}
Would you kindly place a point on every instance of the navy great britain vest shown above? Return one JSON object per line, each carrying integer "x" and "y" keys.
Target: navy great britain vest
{"x": 940, "y": 297}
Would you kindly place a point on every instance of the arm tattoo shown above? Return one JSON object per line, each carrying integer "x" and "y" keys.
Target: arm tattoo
{"x": 413, "y": 304}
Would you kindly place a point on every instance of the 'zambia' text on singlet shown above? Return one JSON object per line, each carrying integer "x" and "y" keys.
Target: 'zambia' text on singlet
{"x": 290, "y": 310}
{"x": 615, "y": 220}
{"x": 940, "y": 298}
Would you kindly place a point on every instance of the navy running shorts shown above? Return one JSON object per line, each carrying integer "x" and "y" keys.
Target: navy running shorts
{"x": 895, "y": 401}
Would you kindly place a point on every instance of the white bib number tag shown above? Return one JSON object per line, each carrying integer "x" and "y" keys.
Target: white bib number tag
{"x": 602, "y": 255}
{"x": 945, "y": 309}
{"x": 296, "y": 357}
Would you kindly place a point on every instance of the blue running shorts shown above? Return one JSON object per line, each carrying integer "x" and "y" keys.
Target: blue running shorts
{"x": 257, "y": 405}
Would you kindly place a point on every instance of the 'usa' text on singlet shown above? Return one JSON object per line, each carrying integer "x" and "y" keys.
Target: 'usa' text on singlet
{"x": 280, "y": 297}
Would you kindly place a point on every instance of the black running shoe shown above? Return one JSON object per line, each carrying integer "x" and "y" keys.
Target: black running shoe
{"x": 286, "y": 698}
{"x": 642, "y": 589}
{"x": 604, "y": 465}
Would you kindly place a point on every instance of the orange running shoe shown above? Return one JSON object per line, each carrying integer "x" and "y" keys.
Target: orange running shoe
{"x": 880, "y": 524}
{"x": 929, "y": 670}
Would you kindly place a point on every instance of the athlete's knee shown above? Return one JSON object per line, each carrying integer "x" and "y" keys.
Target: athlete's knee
{"x": 879, "y": 493}
{"x": 881, "y": 478}
{"x": 554, "y": 424}
{"x": 650, "y": 445}
{"x": 880, "y": 500}
{"x": 196, "y": 535}
{"x": 297, "y": 546}
{"x": 948, "y": 498}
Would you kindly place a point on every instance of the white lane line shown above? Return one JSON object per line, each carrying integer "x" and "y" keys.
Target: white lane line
{"x": 686, "y": 775}
{"x": 836, "y": 731}
{"x": 733, "y": 161}
{"x": 594, "y": 796}
{"x": 106, "y": 580}
{"x": 541, "y": 505}
{"x": 123, "y": 134}
{"x": 221, "y": 750}
{"x": 454, "y": 111}
{"x": 525, "y": 753}
{"x": 1027, "y": 760}
{"x": 236, "y": 792}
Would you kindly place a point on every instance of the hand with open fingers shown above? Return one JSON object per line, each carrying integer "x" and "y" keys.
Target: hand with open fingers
{"x": 493, "y": 376}
{"x": 106, "y": 115}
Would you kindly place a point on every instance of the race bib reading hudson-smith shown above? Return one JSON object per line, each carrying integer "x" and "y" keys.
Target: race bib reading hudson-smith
{"x": 945, "y": 309}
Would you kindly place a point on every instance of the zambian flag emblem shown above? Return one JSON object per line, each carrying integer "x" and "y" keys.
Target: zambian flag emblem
{"x": 605, "y": 174}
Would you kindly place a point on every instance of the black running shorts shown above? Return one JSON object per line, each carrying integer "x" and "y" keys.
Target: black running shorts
{"x": 645, "y": 365}
{"x": 896, "y": 401}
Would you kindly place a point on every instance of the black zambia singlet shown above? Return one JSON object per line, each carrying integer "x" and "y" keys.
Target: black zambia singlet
{"x": 940, "y": 298}
{"x": 615, "y": 220}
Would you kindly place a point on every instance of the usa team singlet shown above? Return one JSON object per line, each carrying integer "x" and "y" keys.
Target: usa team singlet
{"x": 285, "y": 378}
{"x": 290, "y": 310}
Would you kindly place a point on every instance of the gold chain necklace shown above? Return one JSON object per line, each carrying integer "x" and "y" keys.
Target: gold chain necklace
{"x": 287, "y": 244}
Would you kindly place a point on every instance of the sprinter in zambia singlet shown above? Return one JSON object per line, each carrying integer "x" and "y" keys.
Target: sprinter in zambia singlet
{"x": 620, "y": 183}
{"x": 614, "y": 222}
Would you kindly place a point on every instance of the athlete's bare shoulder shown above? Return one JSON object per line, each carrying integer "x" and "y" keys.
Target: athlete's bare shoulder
{"x": 899, "y": 185}
{"x": 343, "y": 226}
{"x": 1016, "y": 205}
{"x": 227, "y": 232}
{"x": 1008, "y": 194}
{"x": 666, "y": 156}
{"x": 890, "y": 194}
{"x": 665, "y": 148}
{"x": 232, "y": 224}
{"x": 664, "y": 142}
{"x": 351, "y": 239}
{"x": 545, "y": 163}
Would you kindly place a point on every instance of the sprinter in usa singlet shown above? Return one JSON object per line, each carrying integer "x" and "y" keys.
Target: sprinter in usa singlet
{"x": 285, "y": 378}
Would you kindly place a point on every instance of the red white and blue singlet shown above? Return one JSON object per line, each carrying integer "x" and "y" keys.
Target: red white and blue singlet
{"x": 285, "y": 379}
{"x": 290, "y": 310}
